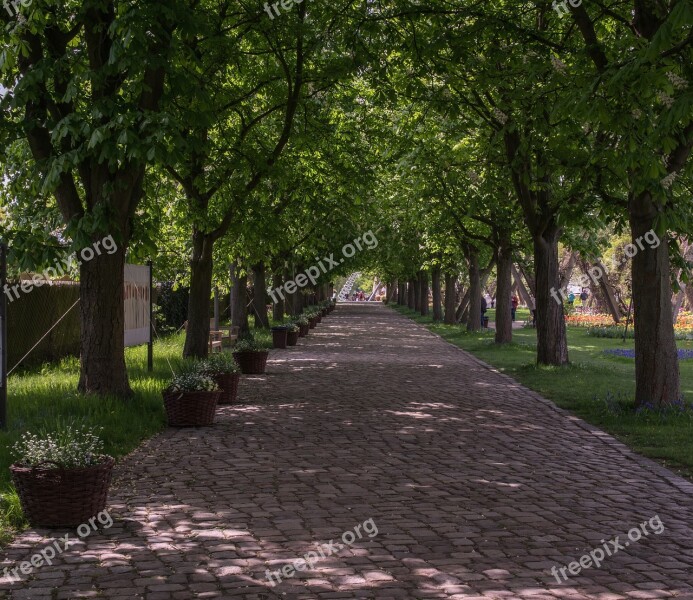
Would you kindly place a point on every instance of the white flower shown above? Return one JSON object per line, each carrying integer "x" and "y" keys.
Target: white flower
{"x": 679, "y": 83}
{"x": 636, "y": 113}
{"x": 558, "y": 64}
{"x": 500, "y": 115}
{"x": 668, "y": 180}
{"x": 665, "y": 99}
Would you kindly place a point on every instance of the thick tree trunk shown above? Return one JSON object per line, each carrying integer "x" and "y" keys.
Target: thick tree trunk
{"x": 197, "y": 332}
{"x": 450, "y": 298}
{"x": 423, "y": 293}
{"x": 278, "y": 306}
{"x": 437, "y": 300}
{"x": 504, "y": 324}
{"x": 239, "y": 302}
{"x": 402, "y": 294}
{"x": 411, "y": 294}
{"x": 552, "y": 343}
{"x": 474, "y": 316}
{"x": 656, "y": 356}
{"x": 102, "y": 320}
{"x": 260, "y": 296}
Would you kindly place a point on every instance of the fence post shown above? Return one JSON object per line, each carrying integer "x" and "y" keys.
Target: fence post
{"x": 3, "y": 336}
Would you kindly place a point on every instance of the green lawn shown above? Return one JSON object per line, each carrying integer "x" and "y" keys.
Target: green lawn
{"x": 41, "y": 397}
{"x": 597, "y": 388}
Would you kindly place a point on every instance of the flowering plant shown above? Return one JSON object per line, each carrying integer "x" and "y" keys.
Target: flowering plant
{"x": 219, "y": 363}
{"x": 192, "y": 382}
{"x": 250, "y": 344}
{"x": 303, "y": 320}
{"x": 70, "y": 447}
{"x": 292, "y": 327}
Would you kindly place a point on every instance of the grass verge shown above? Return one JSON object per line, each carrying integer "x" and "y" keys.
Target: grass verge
{"x": 41, "y": 397}
{"x": 595, "y": 387}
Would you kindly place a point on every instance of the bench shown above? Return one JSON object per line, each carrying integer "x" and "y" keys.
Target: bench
{"x": 221, "y": 336}
{"x": 217, "y": 338}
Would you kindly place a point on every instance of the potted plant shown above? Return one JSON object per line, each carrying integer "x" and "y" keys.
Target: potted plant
{"x": 62, "y": 478}
{"x": 292, "y": 333}
{"x": 222, "y": 368}
{"x": 191, "y": 400}
{"x": 312, "y": 319}
{"x": 304, "y": 325}
{"x": 279, "y": 335}
{"x": 251, "y": 356}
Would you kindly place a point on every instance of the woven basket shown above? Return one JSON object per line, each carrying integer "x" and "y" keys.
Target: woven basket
{"x": 319, "y": 318}
{"x": 303, "y": 330}
{"x": 279, "y": 338}
{"x": 292, "y": 338}
{"x": 55, "y": 497}
{"x": 228, "y": 384}
{"x": 190, "y": 409}
{"x": 313, "y": 322}
{"x": 252, "y": 363}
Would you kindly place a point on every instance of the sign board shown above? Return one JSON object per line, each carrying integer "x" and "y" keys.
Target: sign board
{"x": 138, "y": 295}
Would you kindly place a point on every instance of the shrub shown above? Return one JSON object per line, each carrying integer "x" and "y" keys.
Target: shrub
{"x": 219, "y": 363}
{"x": 192, "y": 382}
{"x": 70, "y": 447}
{"x": 250, "y": 344}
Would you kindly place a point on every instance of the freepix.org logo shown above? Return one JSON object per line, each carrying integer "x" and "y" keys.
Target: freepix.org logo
{"x": 313, "y": 273}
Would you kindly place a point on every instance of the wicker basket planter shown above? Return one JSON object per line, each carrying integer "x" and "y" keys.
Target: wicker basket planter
{"x": 228, "y": 384}
{"x": 318, "y": 318}
{"x": 313, "y": 322}
{"x": 252, "y": 363}
{"x": 292, "y": 338}
{"x": 191, "y": 409}
{"x": 55, "y": 497}
{"x": 304, "y": 329}
{"x": 279, "y": 335}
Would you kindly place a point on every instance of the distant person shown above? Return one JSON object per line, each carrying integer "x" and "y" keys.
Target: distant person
{"x": 362, "y": 296}
{"x": 571, "y": 298}
{"x": 484, "y": 308}
{"x": 514, "y": 302}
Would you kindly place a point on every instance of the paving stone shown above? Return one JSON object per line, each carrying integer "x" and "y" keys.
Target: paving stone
{"x": 477, "y": 486}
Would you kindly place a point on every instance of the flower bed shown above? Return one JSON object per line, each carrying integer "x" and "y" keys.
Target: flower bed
{"x": 580, "y": 320}
{"x": 630, "y": 353}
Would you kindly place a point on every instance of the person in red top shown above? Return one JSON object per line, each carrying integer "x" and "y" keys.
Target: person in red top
{"x": 514, "y": 301}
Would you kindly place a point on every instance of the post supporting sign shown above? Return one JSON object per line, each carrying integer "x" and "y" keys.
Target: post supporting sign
{"x": 150, "y": 345}
{"x": 3, "y": 337}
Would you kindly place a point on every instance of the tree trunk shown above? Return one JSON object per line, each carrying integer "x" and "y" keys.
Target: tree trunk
{"x": 504, "y": 323}
{"x": 656, "y": 356}
{"x": 402, "y": 294}
{"x": 391, "y": 291}
{"x": 462, "y": 309}
{"x": 260, "y": 296}
{"x": 102, "y": 321}
{"x": 411, "y": 294}
{"x": 278, "y": 306}
{"x": 239, "y": 304}
{"x": 437, "y": 300}
{"x": 423, "y": 293}
{"x": 474, "y": 316}
{"x": 552, "y": 343}
{"x": 197, "y": 332}
{"x": 450, "y": 298}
